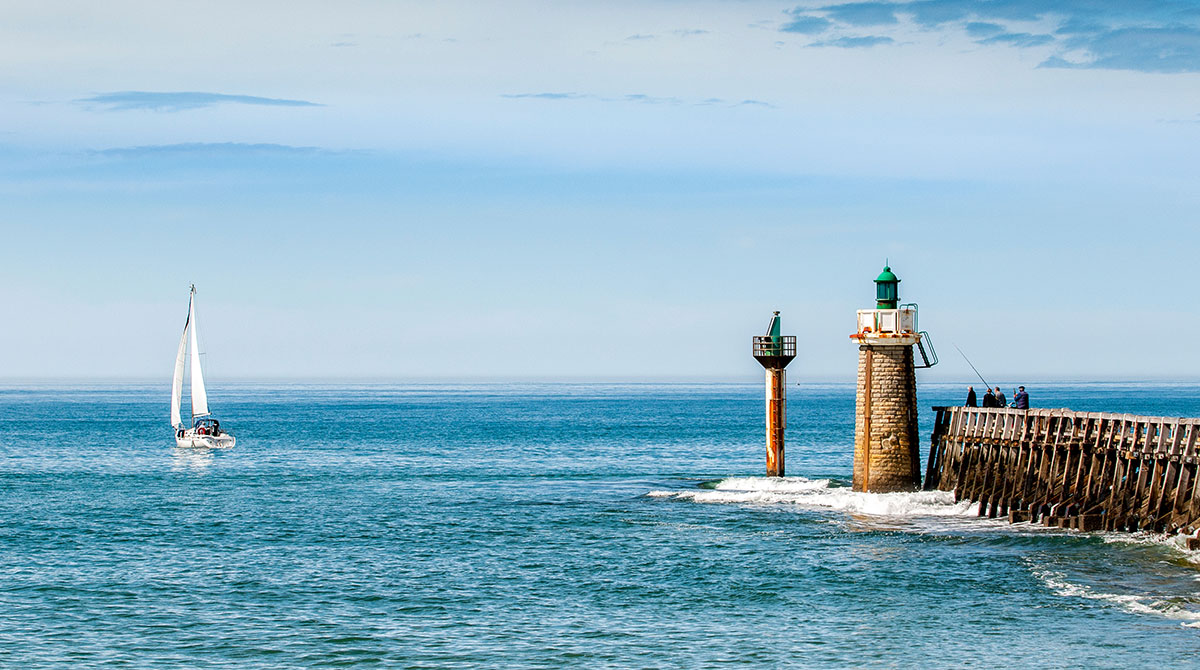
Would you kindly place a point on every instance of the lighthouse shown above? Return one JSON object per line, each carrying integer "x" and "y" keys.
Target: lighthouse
{"x": 886, "y": 448}
{"x": 774, "y": 351}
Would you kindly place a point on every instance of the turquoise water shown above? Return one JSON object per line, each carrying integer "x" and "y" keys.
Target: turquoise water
{"x": 619, "y": 526}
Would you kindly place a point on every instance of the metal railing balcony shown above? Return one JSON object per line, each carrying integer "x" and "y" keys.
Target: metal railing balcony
{"x": 774, "y": 351}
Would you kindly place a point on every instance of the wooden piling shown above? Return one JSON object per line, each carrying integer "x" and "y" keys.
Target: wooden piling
{"x": 1081, "y": 470}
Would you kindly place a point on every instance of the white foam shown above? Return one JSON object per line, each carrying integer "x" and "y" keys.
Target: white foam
{"x": 1176, "y": 542}
{"x": 773, "y": 484}
{"x": 818, "y": 493}
{"x": 1136, "y": 604}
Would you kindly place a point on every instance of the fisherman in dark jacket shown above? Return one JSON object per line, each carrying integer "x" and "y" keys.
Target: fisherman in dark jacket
{"x": 971, "y": 397}
{"x": 1021, "y": 398}
{"x": 989, "y": 400}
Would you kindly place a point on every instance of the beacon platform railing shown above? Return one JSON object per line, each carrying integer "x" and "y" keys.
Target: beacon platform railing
{"x": 774, "y": 351}
{"x": 780, "y": 345}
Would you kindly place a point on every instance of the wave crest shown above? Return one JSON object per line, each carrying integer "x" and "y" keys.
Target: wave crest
{"x": 821, "y": 494}
{"x": 1170, "y": 607}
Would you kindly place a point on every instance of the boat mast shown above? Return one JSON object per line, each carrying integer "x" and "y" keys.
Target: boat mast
{"x": 199, "y": 395}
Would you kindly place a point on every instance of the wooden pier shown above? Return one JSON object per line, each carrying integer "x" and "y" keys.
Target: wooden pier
{"x": 1082, "y": 470}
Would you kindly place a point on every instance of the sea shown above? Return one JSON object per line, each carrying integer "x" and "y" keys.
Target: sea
{"x": 543, "y": 525}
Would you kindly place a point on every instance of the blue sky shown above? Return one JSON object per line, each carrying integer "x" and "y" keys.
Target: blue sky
{"x": 574, "y": 190}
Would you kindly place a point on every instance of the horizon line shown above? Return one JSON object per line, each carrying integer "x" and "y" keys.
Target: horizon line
{"x": 572, "y": 379}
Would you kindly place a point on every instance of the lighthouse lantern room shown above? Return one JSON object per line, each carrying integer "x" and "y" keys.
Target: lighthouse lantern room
{"x": 890, "y": 323}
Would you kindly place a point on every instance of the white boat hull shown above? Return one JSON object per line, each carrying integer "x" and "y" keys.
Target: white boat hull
{"x": 191, "y": 440}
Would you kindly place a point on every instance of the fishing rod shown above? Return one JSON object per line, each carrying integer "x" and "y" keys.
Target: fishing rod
{"x": 985, "y": 384}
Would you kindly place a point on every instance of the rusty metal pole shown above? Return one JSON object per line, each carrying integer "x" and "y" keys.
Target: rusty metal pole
{"x": 776, "y": 420}
{"x": 774, "y": 351}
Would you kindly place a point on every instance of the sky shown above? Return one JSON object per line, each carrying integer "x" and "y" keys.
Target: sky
{"x": 596, "y": 190}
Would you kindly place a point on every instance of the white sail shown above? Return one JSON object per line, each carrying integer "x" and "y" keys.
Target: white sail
{"x": 177, "y": 380}
{"x": 199, "y": 395}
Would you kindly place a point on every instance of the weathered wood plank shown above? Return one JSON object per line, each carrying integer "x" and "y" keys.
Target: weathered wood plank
{"x": 1083, "y": 470}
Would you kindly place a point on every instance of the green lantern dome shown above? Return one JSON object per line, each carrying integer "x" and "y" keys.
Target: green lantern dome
{"x": 887, "y": 294}
{"x": 886, "y": 275}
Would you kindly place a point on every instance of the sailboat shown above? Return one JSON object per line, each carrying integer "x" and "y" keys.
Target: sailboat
{"x": 204, "y": 431}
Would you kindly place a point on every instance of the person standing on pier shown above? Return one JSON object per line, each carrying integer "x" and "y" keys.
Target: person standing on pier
{"x": 1001, "y": 401}
{"x": 989, "y": 399}
{"x": 1021, "y": 398}
{"x": 971, "y": 397}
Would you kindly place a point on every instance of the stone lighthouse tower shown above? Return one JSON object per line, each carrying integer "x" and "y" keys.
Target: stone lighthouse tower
{"x": 886, "y": 448}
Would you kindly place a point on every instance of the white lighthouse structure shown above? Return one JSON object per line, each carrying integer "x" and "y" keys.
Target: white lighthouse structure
{"x": 886, "y": 447}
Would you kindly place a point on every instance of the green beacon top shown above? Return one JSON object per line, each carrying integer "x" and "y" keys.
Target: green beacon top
{"x": 887, "y": 295}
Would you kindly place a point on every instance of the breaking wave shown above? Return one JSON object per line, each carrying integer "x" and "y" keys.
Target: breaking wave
{"x": 823, "y": 494}
{"x": 1185, "y": 609}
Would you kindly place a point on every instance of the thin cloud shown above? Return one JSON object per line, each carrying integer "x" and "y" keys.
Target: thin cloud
{"x": 1078, "y": 26}
{"x": 864, "y": 13}
{"x": 640, "y": 37}
{"x": 637, "y": 98}
{"x": 182, "y": 100}
{"x": 932, "y": 13}
{"x": 1162, "y": 50}
{"x": 755, "y": 103}
{"x": 546, "y": 96}
{"x": 863, "y": 42}
{"x": 936, "y": 13}
{"x": 651, "y": 100}
{"x": 1158, "y": 37}
{"x": 1018, "y": 39}
{"x": 984, "y": 29}
{"x": 207, "y": 149}
{"x": 806, "y": 24}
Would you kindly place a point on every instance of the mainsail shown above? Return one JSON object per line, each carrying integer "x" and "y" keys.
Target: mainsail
{"x": 199, "y": 396}
{"x": 177, "y": 380}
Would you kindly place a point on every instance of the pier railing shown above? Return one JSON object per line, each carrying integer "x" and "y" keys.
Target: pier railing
{"x": 1085, "y": 470}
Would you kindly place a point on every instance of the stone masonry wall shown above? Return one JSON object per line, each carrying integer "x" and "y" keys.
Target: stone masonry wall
{"x": 894, "y": 456}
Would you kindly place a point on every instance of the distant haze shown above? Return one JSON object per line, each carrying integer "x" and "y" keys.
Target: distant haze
{"x": 612, "y": 190}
